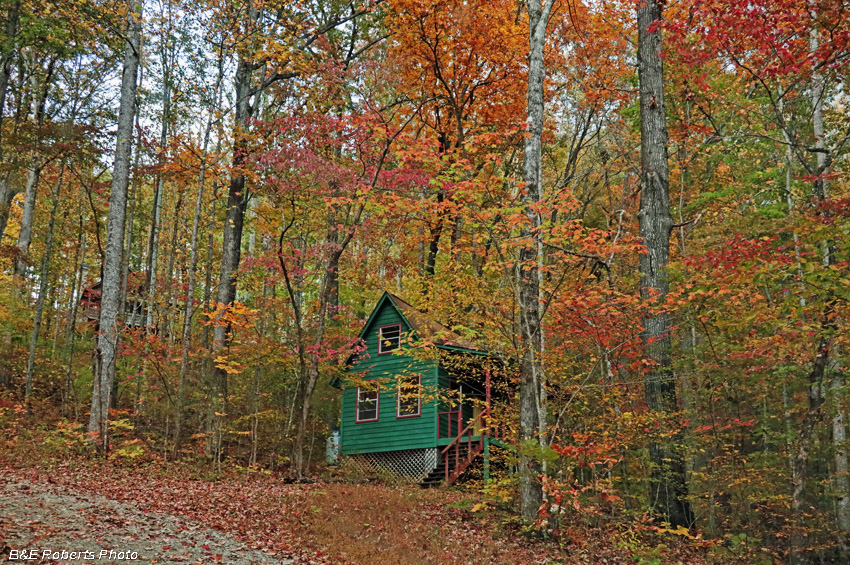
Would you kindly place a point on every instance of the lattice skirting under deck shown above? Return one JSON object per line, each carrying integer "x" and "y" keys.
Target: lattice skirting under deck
{"x": 411, "y": 463}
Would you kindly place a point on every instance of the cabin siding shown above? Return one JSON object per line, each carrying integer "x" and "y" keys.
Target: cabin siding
{"x": 388, "y": 433}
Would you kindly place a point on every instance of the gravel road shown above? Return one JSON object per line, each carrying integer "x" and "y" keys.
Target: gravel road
{"x": 44, "y": 517}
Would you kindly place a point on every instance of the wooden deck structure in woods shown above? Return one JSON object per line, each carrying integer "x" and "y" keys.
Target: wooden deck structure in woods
{"x": 135, "y": 310}
{"x": 416, "y": 399}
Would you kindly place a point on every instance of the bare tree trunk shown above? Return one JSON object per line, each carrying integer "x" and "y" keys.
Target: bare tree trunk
{"x": 7, "y": 195}
{"x": 176, "y": 228}
{"x": 839, "y": 440}
{"x": 255, "y": 407}
{"x": 12, "y": 21}
{"x": 193, "y": 264}
{"x": 189, "y": 303}
{"x": 308, "y": 367}
{"x": 799, "y": 470}
{"x": 131, "y": 216}
{"x": 237, "y": 201}
{"x": 206, "y": 374}
{"x": 255, "y": 393}
{"x": 153, "y": 251}
{"x": 532, "y": 411}
{"x": 668, "y": 489}
{"x": 840, "y": 480}
{"x": 34, "y": 173}
{"x": 107, "y": 340}
{"x": 25, "y": 235}
{"x": 153, "y": 241}
{"x": 71, "y": 333}
{"x": 42, "y": 291}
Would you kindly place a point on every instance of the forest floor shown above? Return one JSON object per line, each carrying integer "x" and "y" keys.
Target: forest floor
{"x": 167, "y": 514}
{"x": 56, "y": 495}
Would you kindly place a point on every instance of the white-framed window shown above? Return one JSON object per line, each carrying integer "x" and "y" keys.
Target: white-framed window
{"x": 409, "y": 397}
{"x": 367, "y": 405}
{"x": 389, "y": 338}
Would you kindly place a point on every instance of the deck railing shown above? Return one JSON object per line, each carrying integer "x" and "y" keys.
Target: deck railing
{"x": 451, "y": 421}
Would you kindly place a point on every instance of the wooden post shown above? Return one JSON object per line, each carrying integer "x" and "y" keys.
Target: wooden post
{"x": 487, "y": 408}
{"x": 487, "y": 388}
{"x": 486, "y": 459}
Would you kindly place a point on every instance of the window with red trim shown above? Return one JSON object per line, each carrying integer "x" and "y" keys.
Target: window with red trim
{"x": 389, "y": 338}
{"x": 367, "y": 405}
{"x": 409, "y": 397}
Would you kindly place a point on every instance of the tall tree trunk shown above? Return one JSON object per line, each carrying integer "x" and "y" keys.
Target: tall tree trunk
{"x": 71, "y": 331}
{"x": 667, "y": 484}
{"x": 131, "y": 216}
{"x": 7, "y": 195}
{"x": 237, "y": 201}
{"x": 107, "y": 340}
{"x": 206, "y": 374}
{"x": 168, "y": 305}
{"x": 258, "y": 367}
{"x": 189, "y": 302}
{"x": 799, "y": 471}
{"x": 840, "y": 480}
{"x": 27, "y": 215}
{"x": 42, "y": 290}
{"x": 6, "y": 55}
{"x": 839, "y": 440}
{"x": 13, "y": 18}
{"x": 308, "y": 366}
{"x": 156, "y": 213}
{"x": 822, "y": 365}
{"x": 35, "y": 164}
{"x": 153, "y": 252}
{"x": 532, "y": 410}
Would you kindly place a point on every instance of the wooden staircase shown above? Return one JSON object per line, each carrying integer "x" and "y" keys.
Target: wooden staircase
{"x": 454, "y": 459}
{"x": 439, "y": 474}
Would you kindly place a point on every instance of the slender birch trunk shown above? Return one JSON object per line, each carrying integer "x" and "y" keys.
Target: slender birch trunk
{"x": 176, "y": 228}
{"x": 71, "y": 332}
{"x": 153, "y": 240}
{"x": 532, "y": 377}
{"x": 258, "y": 367}
{"x": 42, "y": 290}
{"x": 189, "y": 303}
{"x": 840, "y": 480}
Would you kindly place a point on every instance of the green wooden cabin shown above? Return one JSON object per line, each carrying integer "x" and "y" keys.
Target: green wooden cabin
{"x": 414, "y": 415}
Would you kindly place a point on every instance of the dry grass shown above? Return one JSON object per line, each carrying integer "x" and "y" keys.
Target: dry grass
{"x": 383, "y": 525}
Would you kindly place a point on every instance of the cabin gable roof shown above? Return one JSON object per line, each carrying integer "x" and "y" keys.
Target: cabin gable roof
{"x": 419, "y": 325}
{"x": 384, "y": 302}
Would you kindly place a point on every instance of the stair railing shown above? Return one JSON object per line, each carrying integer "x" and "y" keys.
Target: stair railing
{"x": 456, "y": 442}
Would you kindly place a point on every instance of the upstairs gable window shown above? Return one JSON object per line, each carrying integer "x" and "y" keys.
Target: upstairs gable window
{"x": 389, "y": 338}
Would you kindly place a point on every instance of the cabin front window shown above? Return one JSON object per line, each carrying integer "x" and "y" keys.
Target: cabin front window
{"x": 367, "y": 405}
{"x": 409, "y": 397}
{"x": 389, "y": 338}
